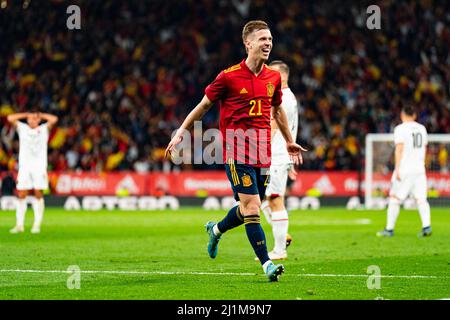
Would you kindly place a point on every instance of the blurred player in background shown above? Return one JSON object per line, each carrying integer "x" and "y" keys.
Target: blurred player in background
{"x": 249, "y": 93}
{"x": 33, "y": 143}
{"x": 409, "y": 176}
{"x": 281, "y": 166}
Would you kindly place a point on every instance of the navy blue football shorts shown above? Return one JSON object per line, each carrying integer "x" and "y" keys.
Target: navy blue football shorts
{"x": 247, "y": 179}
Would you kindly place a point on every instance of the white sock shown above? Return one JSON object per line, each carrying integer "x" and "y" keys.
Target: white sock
{"x": 280, "y": 225}
{"x": 38, "y": 208}
{"x": 21, "y": 209}
{"x": 216, "y": 230}
{"x": 267, "y": 211}
{"x": 424, "y": 211}
{"x": 266, "y": 264}
{"x": 392, "y": 213}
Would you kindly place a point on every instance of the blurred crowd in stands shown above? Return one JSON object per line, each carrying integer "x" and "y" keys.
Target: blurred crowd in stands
{"x": 128, "y": 78}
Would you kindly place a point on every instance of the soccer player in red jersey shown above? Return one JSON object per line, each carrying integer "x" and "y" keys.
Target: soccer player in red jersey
{"x": 249, "y": 94}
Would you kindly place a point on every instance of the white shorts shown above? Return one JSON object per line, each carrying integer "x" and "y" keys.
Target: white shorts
{"x": 28, "y": 179}
{"x": 411, "y": 184}
{"x": 278, "y": 180}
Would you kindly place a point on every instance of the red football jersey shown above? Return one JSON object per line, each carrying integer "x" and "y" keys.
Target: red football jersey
{"x": 245, "y": 104}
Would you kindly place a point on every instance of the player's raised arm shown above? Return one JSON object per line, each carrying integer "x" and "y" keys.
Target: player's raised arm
{"x": 294, "y": 149}
{"x": 50, "y": 118}
{"x": 196, "y": 114}
{"x": 13, "y": 118}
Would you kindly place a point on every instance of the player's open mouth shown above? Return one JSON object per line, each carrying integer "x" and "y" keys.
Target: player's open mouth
{"x": 266, "y": 51}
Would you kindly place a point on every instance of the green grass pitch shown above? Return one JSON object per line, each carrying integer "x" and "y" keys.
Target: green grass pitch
{"x": 162, "y": 255}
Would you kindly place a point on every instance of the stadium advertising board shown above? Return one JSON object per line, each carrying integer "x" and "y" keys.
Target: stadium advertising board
{"x": 311, "y": 183}
{"x": 215, "y": 183}
{"x": 98, "y": 183}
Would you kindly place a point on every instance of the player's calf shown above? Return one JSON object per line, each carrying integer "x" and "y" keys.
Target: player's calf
{"x": 233, "y": 219}
{"x": 21, "y": 209}
{"x": 38, "y": 208}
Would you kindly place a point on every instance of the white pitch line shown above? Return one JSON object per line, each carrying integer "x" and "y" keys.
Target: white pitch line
{"x": 336, "y": 222}
{"x": 311, "y": 275}
{"x": 372, "y": 276}
{"x": 129, "y": 272}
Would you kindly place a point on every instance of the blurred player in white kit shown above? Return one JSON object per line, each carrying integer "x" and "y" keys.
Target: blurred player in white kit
{"x": 281, "y": 166}
{"x": 409, "y": 175}
{"x": 32, "y": 175}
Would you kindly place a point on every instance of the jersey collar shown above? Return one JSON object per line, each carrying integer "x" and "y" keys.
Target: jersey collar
{"x": 244, "y": 66}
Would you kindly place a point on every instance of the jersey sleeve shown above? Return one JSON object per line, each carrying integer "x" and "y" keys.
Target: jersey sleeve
{"x": 44, "y": 127}
{"x": 217, "y": 89}
{"x": 20, "y": 127}
{"x": 278, "y": 94}
{"x": 425, "y": 136}
{"x": 399, "y": 136}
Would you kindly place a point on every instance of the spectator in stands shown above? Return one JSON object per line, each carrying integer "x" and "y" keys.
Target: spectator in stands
{"x": 8, "y": 185}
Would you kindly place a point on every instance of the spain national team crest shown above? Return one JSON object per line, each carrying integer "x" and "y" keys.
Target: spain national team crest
{"x": 270, "y": 89}
{"x": 246, "y": 180}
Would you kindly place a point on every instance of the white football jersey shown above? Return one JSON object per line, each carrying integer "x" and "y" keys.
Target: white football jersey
{"x": 413, "y": 135}
{"x": 290, "y": 106}
{"x": 32, "y": 146}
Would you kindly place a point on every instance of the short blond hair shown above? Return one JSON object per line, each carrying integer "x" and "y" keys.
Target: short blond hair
{"x": 252, "y": 26}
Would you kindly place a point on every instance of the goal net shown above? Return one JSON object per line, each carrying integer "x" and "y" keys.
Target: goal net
{"x": 379, "y": 165}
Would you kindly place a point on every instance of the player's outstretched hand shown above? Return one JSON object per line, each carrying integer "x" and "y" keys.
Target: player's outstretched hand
{"x": 172, "y": 144}
{"x": 294, "y": 151}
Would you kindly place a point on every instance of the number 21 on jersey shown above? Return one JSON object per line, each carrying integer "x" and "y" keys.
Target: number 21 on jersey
{"x": 253, "y": 104}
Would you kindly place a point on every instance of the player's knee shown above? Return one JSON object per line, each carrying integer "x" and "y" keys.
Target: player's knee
{"x": 251, "y": 208}
{"x": 277, "y": 203}
{"x": 21, "y": 194}
{"x": 38, "y": 194}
